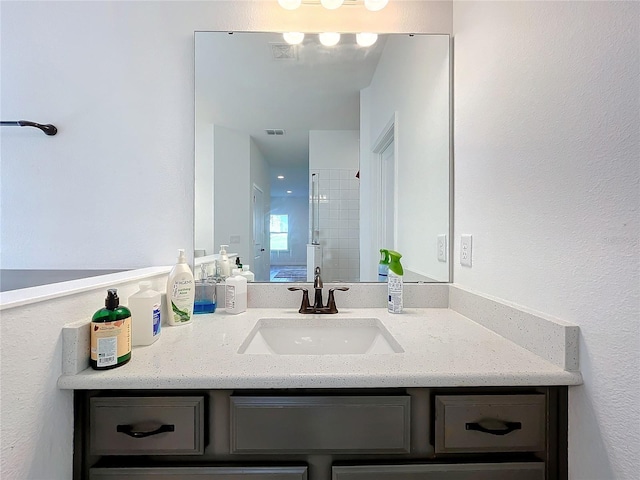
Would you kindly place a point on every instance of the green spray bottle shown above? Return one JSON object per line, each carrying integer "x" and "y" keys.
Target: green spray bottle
{"x": 383, "y": 265}
{"x": 394, "y": 282}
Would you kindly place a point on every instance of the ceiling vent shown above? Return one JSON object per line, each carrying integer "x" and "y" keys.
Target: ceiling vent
{"x": 284, "y": 51}
{"x": 275, "y": 131}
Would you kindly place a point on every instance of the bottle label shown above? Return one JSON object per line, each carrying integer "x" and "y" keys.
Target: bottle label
{"x": 394, "y": 283}
{"x": 110, "y": 341}
{"x": 230, "y": 297}
{"x": 182, "y": 300}
{"x": 157, "y": 321}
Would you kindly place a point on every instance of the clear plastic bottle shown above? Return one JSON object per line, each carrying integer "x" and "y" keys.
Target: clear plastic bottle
{"x": 205, "y": 301}
{"x": 181, "y": 292}
{"x": 235, "y": 294}
{"x": 146, "y": 319}
{"x": 223, "y": 262}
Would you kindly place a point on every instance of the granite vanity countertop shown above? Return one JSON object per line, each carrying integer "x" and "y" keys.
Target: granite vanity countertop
{"x": 442, "y": 348}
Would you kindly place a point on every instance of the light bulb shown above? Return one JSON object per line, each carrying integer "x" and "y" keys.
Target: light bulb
{"x": 331, "y": 4}
{"x": 366, "y": 39}
{"x": 375, "y": 5}
{"x": 293, "y": 38}
{"x": 329, "y": 39}
{"x": 289, "y": 4}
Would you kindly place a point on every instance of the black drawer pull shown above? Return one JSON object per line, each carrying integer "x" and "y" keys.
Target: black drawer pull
{"x": 494, "y": 427}
{"x": 128, "y": 430}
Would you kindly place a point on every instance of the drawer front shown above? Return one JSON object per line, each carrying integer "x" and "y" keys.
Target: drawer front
{"x": 146, "y": 425}
{"x": 200, "y": 473}
{"x": 345, "y": 424}
{"x": 490, "y": 423}
{"x": 471, "y": 471}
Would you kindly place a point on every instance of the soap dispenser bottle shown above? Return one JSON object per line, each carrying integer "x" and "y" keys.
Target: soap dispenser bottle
{"x": 225, "y": 265}
{"x": 180, "y": 292}
{"x": 110, "y": 334}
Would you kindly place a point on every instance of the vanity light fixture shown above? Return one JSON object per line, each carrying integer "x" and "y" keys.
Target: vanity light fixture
{"x": 289, "y": 4}
{"x": 371, "y": 5}
{"x": 375, "y": 5}
{"x": 293, "y": 38}
{"x": 366, "y": 39}
{"x": 331, "y": 4}
{"x": 329, "y": 39}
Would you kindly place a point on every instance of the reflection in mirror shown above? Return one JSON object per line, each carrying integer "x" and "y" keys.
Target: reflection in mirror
{"x": 309, "y": 155}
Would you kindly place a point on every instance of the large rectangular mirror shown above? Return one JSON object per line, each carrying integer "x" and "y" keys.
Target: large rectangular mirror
{"x": 309, "y": 155}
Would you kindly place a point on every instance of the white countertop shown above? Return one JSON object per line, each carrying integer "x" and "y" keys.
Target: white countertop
{"x": 441, "y": 349}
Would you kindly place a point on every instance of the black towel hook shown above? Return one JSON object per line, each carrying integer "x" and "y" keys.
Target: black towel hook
{"x": 47, "y": 129}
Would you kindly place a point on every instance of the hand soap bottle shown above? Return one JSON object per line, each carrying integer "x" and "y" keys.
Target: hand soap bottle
{"x": 110, "y": 334}
{"x": 394, "y": 283}
{"x": 205, "y": 292}
{"x": 180, "y": 292}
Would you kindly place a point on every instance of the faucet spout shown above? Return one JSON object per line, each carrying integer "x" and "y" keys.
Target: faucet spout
{"x": 317, "y": 285}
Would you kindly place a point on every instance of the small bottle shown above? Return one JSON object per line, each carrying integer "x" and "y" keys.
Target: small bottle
{"x": 205, "y": 293}
{"x": 383, "y": 266}
{"x": 223, "y": 262}
{"x": 248, "y": 274}
{"x": 146, "y": 320}
{"x": 110, "y": 334}
{"x": 181, "y": 292}
{"x": 235, "y": 294}
{"x": 394, "y": 283}
{"x": 238, "y": 263}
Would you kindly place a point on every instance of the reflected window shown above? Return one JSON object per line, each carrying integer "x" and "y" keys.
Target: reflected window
{"x": 279, "y": 232}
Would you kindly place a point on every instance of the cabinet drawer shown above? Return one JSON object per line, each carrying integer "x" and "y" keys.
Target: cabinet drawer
{"x": 490, "y": 423}
{"x": 200, "y": 473}
{"x": 471, "y": 471}
{"x": 146, "y": 426}
{"x": 310, "y": 424}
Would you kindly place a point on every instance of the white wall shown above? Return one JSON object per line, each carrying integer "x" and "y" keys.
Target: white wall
{"x": 204, "y": 195}
{"x": 116, "y": 78}
{"x": 547, "y": 172}
{"x": 231, "y": 205}
{"x": 412, "y": 82}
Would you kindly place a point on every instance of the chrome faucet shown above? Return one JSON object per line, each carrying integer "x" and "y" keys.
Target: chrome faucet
{"x": 317, "y": 303}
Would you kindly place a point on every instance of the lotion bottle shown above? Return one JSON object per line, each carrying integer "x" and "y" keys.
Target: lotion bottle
{"x": 180, "y": 292}
{"x": 145, "y": 306}
{"x": 394, "y": 282}
{"x": 110, "y": 334}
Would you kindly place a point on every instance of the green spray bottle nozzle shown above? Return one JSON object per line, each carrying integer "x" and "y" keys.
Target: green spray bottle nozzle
{"x": 384, "y": 256}
{"x": 394, "y": 265}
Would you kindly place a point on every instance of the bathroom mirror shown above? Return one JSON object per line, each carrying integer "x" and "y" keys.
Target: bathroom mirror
{"x": 308, "y": 155}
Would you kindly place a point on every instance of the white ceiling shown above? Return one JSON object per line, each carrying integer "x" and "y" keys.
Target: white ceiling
{"x": 240, "y": 85}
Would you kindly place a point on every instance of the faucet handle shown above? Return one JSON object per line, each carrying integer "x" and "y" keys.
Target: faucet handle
{"x": 305, "y": 298}
{"x": 331, "y": 302}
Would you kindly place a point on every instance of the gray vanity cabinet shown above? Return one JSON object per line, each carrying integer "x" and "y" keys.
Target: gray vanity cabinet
{"x": 200, "y": 473}
{"x": 492, "y": 433}
{"x": 474, "y": 471}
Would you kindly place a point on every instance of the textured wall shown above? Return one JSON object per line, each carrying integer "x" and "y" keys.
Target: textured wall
{"x": 117, "y": 80}
{"x": 547, "y": 168}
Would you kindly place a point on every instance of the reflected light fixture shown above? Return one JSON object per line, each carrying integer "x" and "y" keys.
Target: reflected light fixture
{"x": 375, "y": 5}
{"x": 280, "y": 177}
{"x": 293, "y": 38}
{"x": 329, "y": 39}
{"x": 331, "y": 4}
{"x": 289, "y": 191}
{"x": 289, "y": 4}
{"x": 366, "y": 39}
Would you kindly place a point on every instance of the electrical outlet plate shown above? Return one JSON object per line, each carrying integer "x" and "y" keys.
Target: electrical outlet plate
{"x": 465, "y": 250}
{"x": 234, "y": 239}
{"x": 442, "y": 248}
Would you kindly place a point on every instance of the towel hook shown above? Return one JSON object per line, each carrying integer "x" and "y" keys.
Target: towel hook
{"x": 47, "y": 129}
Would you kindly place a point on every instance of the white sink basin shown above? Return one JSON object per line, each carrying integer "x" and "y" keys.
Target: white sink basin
{"x": 319, "y": 336}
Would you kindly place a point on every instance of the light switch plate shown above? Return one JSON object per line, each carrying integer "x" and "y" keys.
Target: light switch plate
{"x": 234, "y": 239}
{"x": 442, "y": 248}
{"x": 465, "y": 250}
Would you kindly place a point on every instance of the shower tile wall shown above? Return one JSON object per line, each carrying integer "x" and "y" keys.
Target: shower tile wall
{"x": 339, "y": 223}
